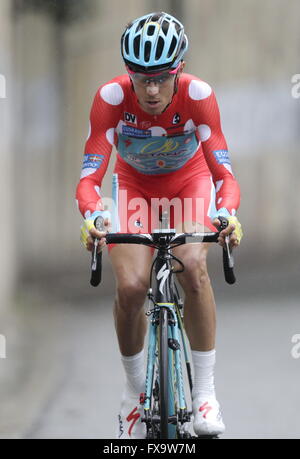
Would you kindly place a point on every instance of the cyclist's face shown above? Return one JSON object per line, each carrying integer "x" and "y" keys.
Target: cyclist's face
{"x": 154, "y": 93}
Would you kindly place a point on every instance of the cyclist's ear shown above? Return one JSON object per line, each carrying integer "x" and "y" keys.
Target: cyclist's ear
{"x": 182, "y": 65}
{"x": 181, "y": 68}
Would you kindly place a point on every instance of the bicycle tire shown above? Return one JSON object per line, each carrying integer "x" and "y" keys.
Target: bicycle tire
{"x": 163, "y": 373}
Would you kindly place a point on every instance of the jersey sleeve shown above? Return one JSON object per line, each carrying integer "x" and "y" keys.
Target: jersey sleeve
{"x": 207, "y": 118}
{"x": 104, "y": 117}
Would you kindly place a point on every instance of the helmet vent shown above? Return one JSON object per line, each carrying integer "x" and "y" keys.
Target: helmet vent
{"x": 126, "y": 42}
{"x": 151, "y": 30}
{"x": 156, "y": 17}
{"x": 165, "y": 27}
{"x": 183, "y": 44}
{"x": 140, "y": 25}
{"x": 136, "y": 46}
{"x": 172, "y": 47}
{"x": 159, "y": 48}
{"x": 147, "y": 51}
{"x": 178, "y": 27}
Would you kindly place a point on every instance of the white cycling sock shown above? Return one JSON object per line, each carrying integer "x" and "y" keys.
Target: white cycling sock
{"x": 204, "y": 364}
{"x": 135, "y": 373}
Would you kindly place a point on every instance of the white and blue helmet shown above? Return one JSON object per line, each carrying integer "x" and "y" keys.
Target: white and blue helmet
{"x": 153, "y": 43}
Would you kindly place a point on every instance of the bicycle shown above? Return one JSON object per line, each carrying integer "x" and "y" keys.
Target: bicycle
{"x": 165, "y": 403}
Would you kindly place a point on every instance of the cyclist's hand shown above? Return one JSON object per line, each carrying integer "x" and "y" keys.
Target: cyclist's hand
{"x": 89, "y": 232}
{"x": 234, "y": 230}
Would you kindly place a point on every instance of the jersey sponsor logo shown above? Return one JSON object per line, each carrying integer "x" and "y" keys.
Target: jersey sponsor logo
{"x": 159, "y": 154}
{"x": 91, "y": 161}
{"x": 156, "y": 155}
{"x": 176, "y": 118}
{"x": 157, "y": 146}
{"x": 145, "y": 124}
{"x": 130, "y": 118}
{"x": 222, "y": 156}
{"x": 134, "y": 132}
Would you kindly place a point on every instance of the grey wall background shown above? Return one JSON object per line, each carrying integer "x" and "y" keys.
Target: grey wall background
{"x": 55, "y": 54}
{"x": 54, "y": 59}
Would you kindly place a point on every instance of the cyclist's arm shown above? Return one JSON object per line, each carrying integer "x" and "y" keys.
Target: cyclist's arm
{"x": 103, "y": 120}
{"x": 206, "y": 112}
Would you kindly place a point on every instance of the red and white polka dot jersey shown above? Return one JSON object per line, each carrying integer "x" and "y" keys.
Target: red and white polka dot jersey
{"x": 184, "y": 142}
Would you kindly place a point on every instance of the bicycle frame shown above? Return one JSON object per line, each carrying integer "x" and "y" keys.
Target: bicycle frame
{"x": 166, "y": 298}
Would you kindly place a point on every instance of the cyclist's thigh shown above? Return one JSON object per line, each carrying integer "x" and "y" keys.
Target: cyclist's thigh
{"x": 194, "y": 257}
{"x": 131, "y": 263}
{"x": 197, "y": 199}
{"x": 133, "y": 212}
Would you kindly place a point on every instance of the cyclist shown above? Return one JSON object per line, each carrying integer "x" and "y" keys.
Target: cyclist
{"x": 165, "y": 125}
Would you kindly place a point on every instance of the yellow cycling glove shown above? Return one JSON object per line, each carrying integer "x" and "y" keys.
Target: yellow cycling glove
{"x": 238, "y": 227}
{"x": 84, "y": 230}
{"x": 88, "y": 224}
{"x": 232, "y": 220}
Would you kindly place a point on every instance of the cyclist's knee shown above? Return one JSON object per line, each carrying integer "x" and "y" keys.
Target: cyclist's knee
{"x": 131, "y": 294}
{"x": 195, "y": 276}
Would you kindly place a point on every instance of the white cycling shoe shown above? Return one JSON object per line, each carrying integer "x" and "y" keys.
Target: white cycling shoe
{"x": 131, "y": 412}
{"x": 207, "y": 417}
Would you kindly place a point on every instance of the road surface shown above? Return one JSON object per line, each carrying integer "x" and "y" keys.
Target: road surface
{"x": 62, "y": 376}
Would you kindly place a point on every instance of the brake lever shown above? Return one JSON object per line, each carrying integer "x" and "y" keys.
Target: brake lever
{"x": 228, "y": 260}
{"x": 94, "y": 255}
{"x": 96, "y": 264}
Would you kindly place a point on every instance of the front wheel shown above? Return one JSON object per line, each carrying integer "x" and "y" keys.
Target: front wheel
{"x": 168, "y": 424}
{"x": 163, "y": 373}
